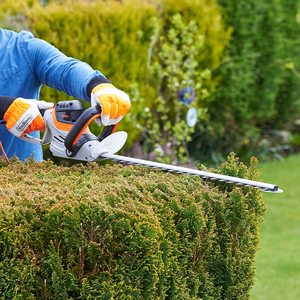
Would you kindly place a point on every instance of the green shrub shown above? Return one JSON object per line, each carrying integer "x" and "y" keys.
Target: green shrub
{"x": 113, "y": 232}
{"x": 256, "y": 92}
{"x": 173, "y": 67}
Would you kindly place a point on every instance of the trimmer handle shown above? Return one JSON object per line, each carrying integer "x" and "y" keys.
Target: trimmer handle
{"x": 82, "y": 123}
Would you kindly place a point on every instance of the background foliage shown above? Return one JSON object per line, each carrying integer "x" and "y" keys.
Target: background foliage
{"x": 251, "y": 91}
{"x": 107, "y": 232}
{"x": 124, "y": 40}
{"x": 257, "y": 93}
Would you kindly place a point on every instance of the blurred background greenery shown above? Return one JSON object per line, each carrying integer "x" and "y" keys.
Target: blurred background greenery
{"x": 240, "y": 59}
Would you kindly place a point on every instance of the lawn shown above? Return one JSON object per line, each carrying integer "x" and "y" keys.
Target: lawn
{"x": 278, "y": 260}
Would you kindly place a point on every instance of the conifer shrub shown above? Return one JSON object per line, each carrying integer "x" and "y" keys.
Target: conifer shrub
{"x": 115, "y": 232}
{"x": 257, "y": 94}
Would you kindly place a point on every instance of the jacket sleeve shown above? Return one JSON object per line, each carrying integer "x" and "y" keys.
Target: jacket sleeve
{"x": 56, "y": 70}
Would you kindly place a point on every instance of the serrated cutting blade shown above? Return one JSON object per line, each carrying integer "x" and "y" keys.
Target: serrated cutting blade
{"x": 265, "y": 187}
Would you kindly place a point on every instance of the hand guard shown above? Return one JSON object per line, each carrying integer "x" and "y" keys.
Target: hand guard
{"x": 23, "y": 116}
{"x": 113, "y": 102}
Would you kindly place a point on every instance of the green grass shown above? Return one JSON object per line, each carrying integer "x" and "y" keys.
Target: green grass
{"x": 278, "y": 260}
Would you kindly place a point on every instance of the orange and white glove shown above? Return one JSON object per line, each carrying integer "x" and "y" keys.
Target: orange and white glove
{"x": 23, "y": 116}
{"x": 114, "y": 103}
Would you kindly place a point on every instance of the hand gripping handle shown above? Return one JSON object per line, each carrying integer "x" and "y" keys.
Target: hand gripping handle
{"x": 27, "y": 137}
{"x": 82, "y": 123}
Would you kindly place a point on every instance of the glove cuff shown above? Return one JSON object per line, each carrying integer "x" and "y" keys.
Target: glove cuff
{"x": 16, "y": 109}
{"x": 104, "y": 86}
{"x": 5, "y": 104}
{"x": 94, "y": 82}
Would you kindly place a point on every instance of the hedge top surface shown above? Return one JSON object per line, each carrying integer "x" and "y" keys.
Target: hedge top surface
{"x": 47, "y": 185}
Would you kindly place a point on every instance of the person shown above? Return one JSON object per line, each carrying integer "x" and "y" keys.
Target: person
{"x": 26, "y": 64}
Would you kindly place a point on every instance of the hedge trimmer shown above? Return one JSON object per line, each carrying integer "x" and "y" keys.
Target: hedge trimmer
{"x": 69, "y": 136}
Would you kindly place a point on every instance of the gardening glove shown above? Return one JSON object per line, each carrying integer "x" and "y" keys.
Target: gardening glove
{"x": 114, "y": 103}
{"x": 23, "y": 116}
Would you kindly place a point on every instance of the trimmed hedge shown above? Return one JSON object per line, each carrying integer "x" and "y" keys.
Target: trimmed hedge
{"x": 115, "y": 232}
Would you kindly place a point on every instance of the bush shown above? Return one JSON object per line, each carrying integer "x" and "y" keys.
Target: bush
{"x": 174, "y": 69}
{"x": 104, "y": 232}
{"x": 257, "y": 92}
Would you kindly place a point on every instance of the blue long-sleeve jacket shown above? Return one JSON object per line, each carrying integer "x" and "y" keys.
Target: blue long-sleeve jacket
{"x": 25, "y": 64}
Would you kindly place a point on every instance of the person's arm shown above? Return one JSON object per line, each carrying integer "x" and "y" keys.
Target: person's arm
{"x": 53, "y": 68}
{"x": 75, "y": 78}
